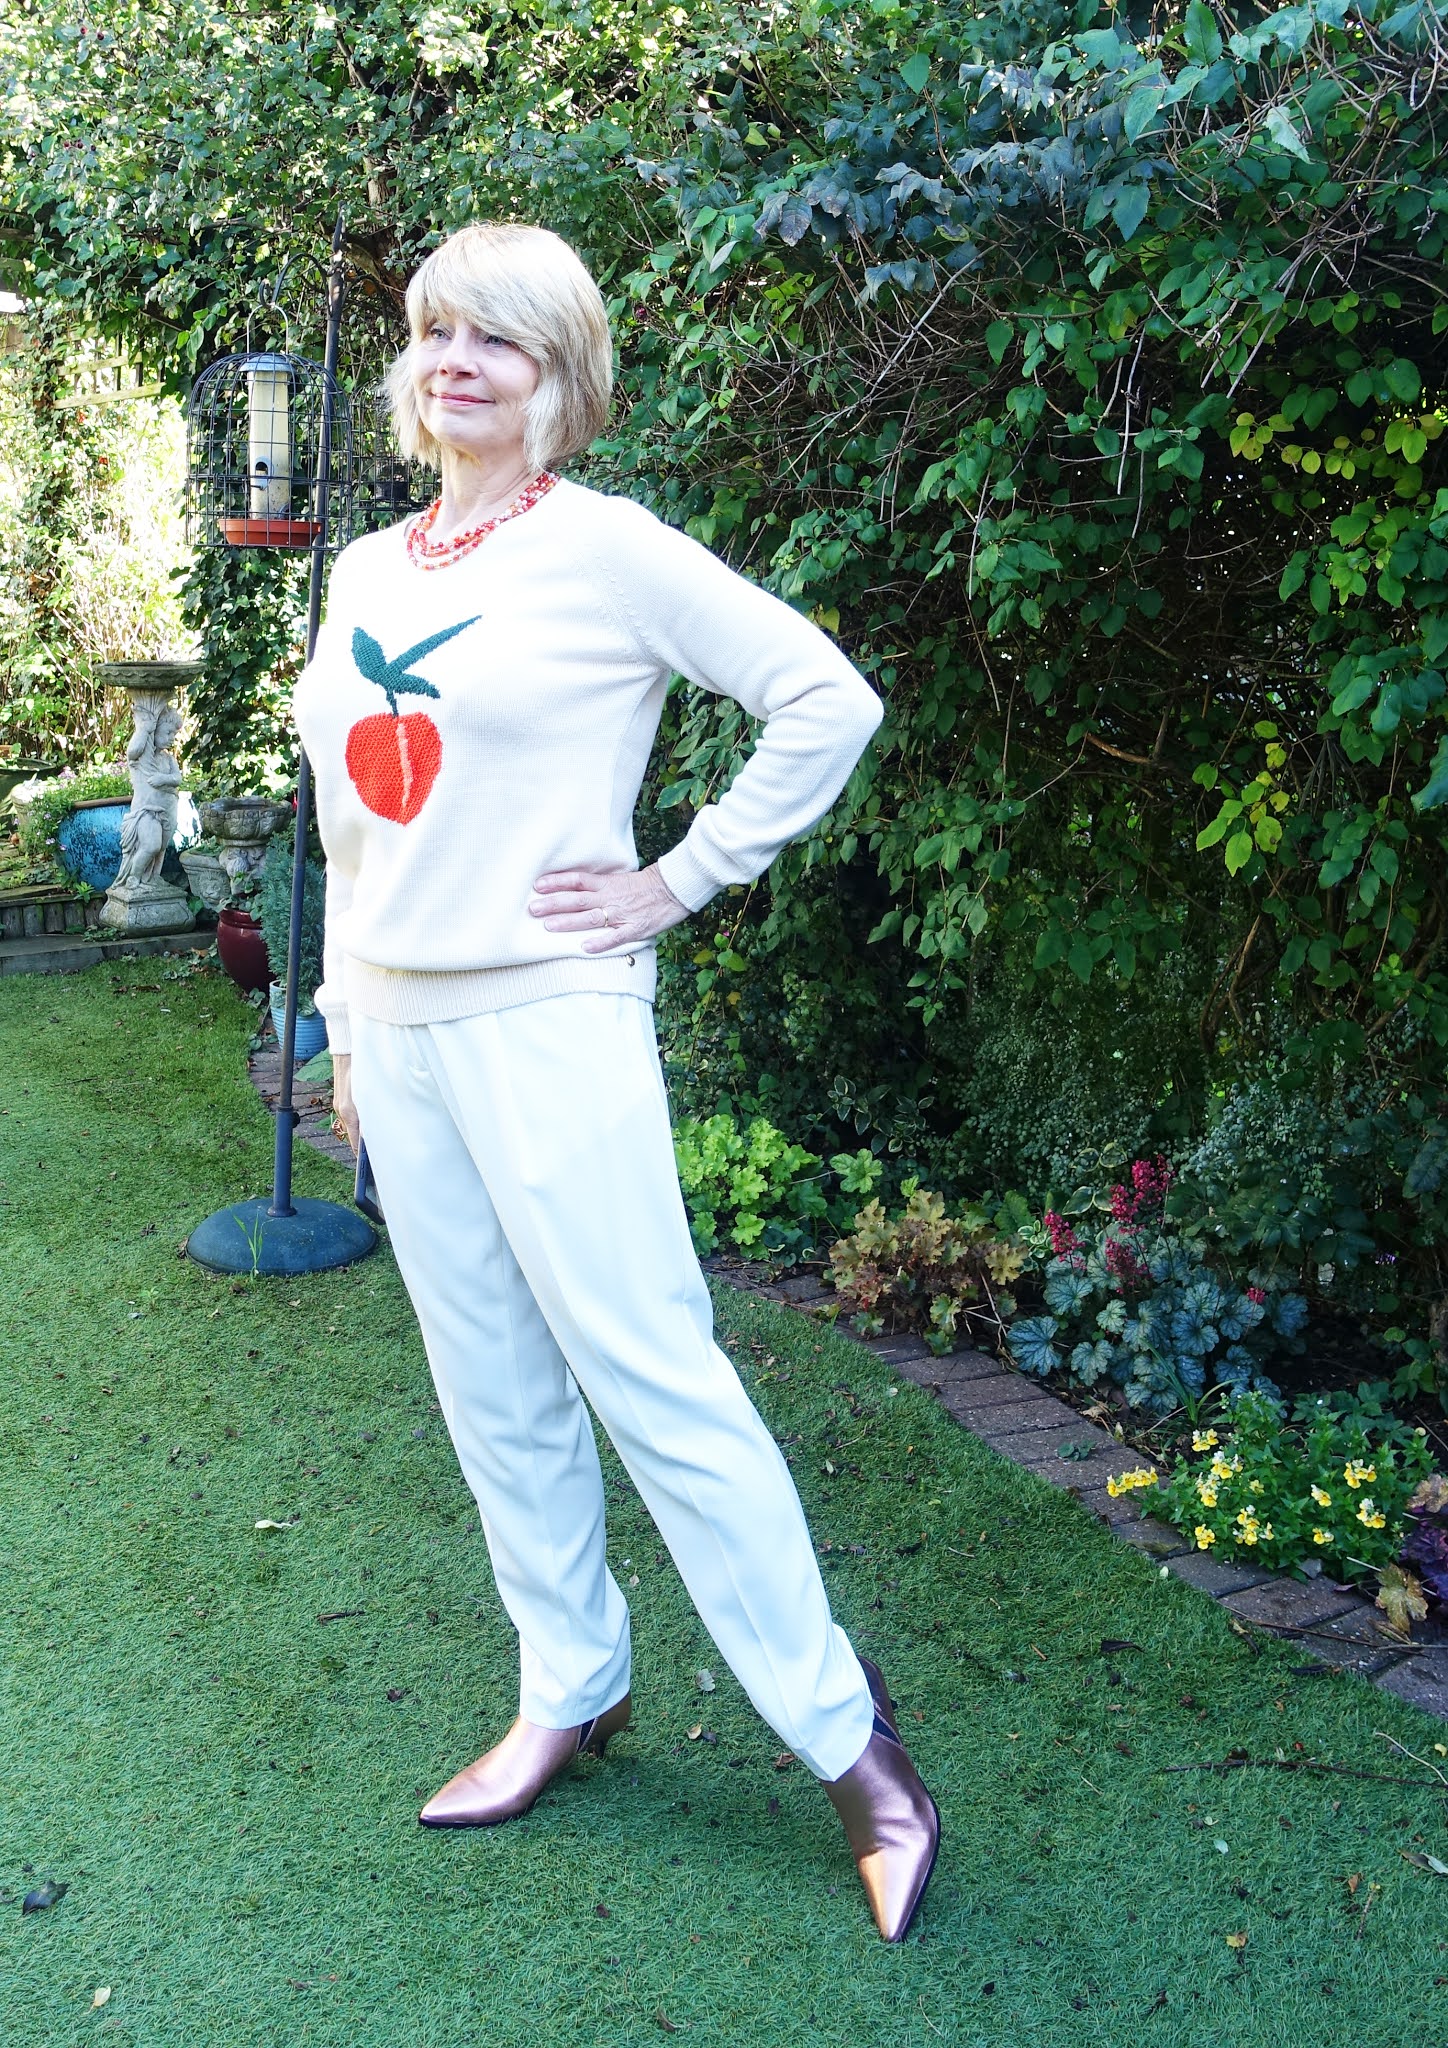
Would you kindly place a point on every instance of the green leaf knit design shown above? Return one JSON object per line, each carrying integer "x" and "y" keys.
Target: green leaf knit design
{"x": 392, "y": 676}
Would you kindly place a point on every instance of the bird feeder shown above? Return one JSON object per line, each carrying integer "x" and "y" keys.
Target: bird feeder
{"x": 270, "y": 455}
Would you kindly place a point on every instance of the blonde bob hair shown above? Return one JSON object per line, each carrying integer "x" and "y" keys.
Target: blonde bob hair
{"x": 528, "y": 286}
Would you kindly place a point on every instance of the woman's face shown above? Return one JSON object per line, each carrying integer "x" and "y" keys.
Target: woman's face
{"x": 472, "y": 389}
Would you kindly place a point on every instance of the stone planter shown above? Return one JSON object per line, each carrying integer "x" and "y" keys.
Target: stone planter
{"x": 241, "y": 826}
{"x": 206, "y": 877}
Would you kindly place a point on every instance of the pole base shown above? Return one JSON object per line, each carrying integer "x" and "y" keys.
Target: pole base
{"x": 246, "y": 1238}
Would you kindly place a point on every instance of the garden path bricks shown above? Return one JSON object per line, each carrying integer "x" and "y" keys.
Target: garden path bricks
{"x": 1023, "y": 1421}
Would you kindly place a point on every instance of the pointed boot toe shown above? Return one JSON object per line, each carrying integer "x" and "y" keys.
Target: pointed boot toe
{"x": 507, "y": 1780}
{"x": 890, "y": 1820}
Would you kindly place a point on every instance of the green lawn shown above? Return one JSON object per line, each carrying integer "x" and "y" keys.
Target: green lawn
{"x": 228, "y": 1785}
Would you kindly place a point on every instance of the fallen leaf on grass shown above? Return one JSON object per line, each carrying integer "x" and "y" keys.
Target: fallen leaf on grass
{"x": 1420, "y": 1860}
{"x": 48, "y": 1893}
{"x": 661, "y": 2019}
{"x": 783, "y": 1761}
{"x": 1112, "y": 1645}
{"x": 1237, "y": 1941}
{"x": 704, "y": 1680}
{"x": 603, "y": 1912}
{"x": 1401, "y": 1598}
{"x": 264, "y": 1524}
{"x": 696, "y": 1731}
{"x": 101, "y": 1996}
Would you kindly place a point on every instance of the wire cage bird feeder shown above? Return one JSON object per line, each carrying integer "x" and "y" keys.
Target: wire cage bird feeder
{"x": 269, "y": 456}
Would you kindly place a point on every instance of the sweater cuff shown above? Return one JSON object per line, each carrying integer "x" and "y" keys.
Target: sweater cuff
{"x": 339, "y": 1032}
{"x": 692, "y": 884}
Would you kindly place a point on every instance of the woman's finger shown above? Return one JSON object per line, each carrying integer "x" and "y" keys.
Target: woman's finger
{"x": 577, "y": 878}
{"x": 564, "y": 901}
{"x": 596, "y": 920}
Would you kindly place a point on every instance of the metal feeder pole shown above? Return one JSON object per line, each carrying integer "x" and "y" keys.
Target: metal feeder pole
{"x": 281, "y": 1204}
{"x": 294, "y": 1235}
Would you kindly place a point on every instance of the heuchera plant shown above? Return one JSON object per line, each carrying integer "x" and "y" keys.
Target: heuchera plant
{"x": 1132, "y": 1302}
{"x": 922, "y": 1269}
{"x": 750, "y": 1186}
{"x": 1328, "y": 1483}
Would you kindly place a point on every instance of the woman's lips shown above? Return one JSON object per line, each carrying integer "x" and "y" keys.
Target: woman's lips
{"x": 459, "y": 398}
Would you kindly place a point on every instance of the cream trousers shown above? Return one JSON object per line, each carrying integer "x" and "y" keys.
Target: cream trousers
{"x": 525, "y": 1164}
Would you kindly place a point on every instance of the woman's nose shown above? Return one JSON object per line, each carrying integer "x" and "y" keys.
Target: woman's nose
{"x": 460, "y": 357}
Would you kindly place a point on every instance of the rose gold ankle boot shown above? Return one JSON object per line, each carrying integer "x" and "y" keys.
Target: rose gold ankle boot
{"x": 892, "y": 1823}
{"x": 506, "y": 1781}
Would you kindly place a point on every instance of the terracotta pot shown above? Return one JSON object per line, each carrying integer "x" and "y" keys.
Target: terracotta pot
{"x": 243, "y": 950}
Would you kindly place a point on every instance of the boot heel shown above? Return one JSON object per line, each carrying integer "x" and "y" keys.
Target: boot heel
{"x": 608, "y": 1724}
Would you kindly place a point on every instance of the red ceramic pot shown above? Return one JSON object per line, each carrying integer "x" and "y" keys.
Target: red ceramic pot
{"x": 243, "y": 950}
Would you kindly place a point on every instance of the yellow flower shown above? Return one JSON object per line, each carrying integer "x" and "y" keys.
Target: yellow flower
{"x": 1205, "y": 1537}
{"x": 1266, "y": 1532}
{"x": 1205, "y": 1440}
{"x": 1207, "y": 1492}
{"x": 1246, "y": 1515}
{"x": 1368, "y": 1515}
{"x": 1321, "y": 1536}
{"x": 1324, "y": 1500}
{"x": 1249, "y": 1535}
{"x": 1358, "y": 1474}
{"x": 1125, "y": 1482}
{"x": 1221, "y": 1469}
{"x": 1255, "y": 1487}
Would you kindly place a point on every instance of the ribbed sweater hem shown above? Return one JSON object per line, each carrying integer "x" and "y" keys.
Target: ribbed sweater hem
{"x": 393, "y": 995}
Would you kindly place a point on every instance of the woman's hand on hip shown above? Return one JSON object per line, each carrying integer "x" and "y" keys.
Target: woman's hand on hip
{"x": 624, "y": 906}
{"x": 343, "y": 1112}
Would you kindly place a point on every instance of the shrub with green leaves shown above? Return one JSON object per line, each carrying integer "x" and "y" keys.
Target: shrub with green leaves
{"x": 1133, "y": 1303}
{"x": 1330, "y": 1481}
{"x": 748, "y": 1187}
{"x": 922, "y": 1270}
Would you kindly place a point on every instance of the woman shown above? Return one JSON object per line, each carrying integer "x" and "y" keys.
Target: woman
{"x": 479, "y": 714}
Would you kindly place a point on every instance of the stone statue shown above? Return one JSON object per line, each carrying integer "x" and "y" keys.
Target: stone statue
{"x": 139, "y": 900}
{"x": 150, "y": 823}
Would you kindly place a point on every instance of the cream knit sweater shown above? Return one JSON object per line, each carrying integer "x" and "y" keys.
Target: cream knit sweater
{"x": 472, "y": 727}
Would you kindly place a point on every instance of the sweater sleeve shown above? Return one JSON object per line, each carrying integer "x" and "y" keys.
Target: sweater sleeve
{"x": 331, "y": 997}
{"x": 700, "y": 619}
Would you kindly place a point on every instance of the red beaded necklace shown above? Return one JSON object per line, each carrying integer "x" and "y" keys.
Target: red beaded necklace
{"x": 440, "y": 554}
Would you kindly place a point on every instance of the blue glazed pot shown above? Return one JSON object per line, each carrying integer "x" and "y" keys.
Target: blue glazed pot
{"x": 311, "y": 1031}
{"x": 89, "y": 842}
